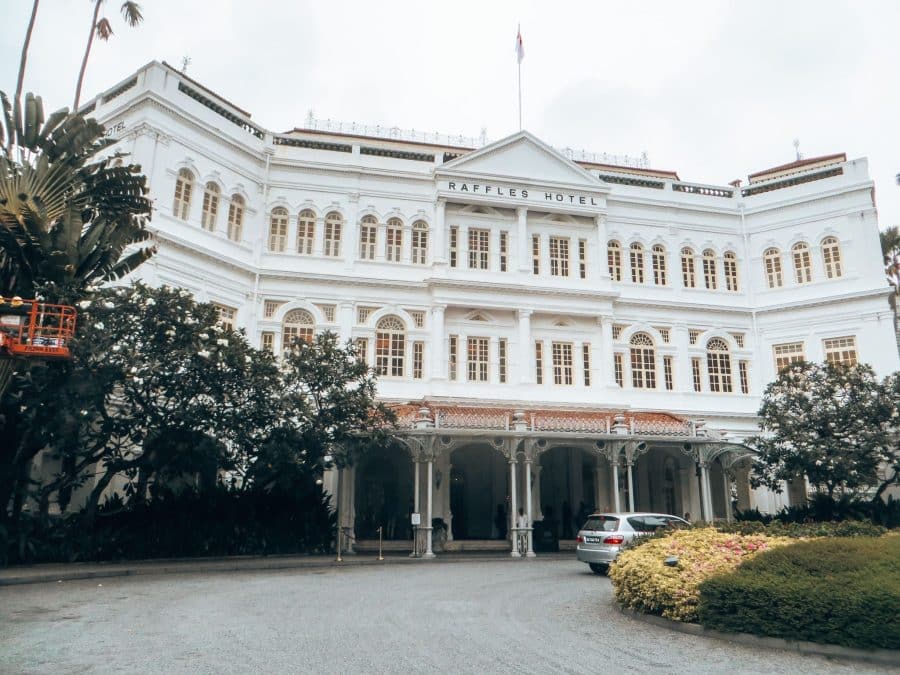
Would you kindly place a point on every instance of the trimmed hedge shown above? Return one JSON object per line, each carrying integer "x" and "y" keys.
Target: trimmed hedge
{"x": 844, "y": 592}
{"x": 776, "y": 528}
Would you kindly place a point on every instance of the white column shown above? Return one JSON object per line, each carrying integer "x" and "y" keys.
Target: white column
{"x": 380, "y": 240}
{"x": 523, "y": 240}
{"x": 615, "y": 485}
{"x": 291, "y": 246}
{"x": 727, "y": 488}
{"x": 494, "y": 359}
{"x": 415, "y": 503}
{"x": 462, "y": 356}
{"x": 345, "y": 321}
{"x": 350, "y": 239}
{"x": 429, "y": 474}
{"x": 513, "y": 507}
{"x": 528, "y": 509}
{"x": 603, "y": 267}
{"x": 578, "y": 364}
{"x": 319, "y": 238}
{"x": 604, "y": 368}
{"x": 438, "y": 358}
{"x": 448, "y": 514}
{"x": 537, "y": 491}
{"x": 406, "y": 244}
{"x": 704, "y": 493}
{"x": 438, "y": 234}
{"x": 629, "y": 470}
{"x": 684, "y": 377}
{"x": 526, "y": 359}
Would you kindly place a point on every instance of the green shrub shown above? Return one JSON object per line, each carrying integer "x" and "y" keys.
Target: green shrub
{"x": 643, "y": 582}
{"x": 776, "y": 528}
{"x": 845, "y": 593}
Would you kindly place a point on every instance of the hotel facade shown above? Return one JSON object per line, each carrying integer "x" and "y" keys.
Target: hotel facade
{"x": 558, "y": 332}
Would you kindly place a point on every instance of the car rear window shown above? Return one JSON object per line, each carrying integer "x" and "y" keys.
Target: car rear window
{"x": 649, "y": 523}
{"x": 601, "y": 524}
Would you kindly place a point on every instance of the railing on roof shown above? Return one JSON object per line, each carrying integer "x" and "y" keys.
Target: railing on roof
{"x": 698, "y": 189}
{"x": 640, "y": 162}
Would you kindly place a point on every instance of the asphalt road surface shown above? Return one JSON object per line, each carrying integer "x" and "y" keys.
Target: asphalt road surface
{"x": 495, "y": 616}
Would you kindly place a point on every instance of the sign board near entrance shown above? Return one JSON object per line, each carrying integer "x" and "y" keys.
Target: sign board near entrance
{"x": 523, "y": 193}
{"x": 416, "y": 519}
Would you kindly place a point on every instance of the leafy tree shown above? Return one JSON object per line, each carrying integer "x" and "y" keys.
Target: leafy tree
{"x": 102, "y": 28}
{"x": 832, "y": 423}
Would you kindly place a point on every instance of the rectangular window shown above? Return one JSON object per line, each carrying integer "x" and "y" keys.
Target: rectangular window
{"x": 419, "y": 244}
{"x": 327, "y": 312}
{"x": 363, "y": 313}
{"x": 788, "y": 353}
{"x": 536, "y": 253}
{"x": 454, "y": 246}
{"x": 477, "y": 361}
{"x": 268, "y": 341}
{"x": 235, "y": 220}
{"x": 667, "y": 373}
{"x": 695, "y": 372}
{"x": 582, "y": 258}
{"x": 452, "y": 357}
{"x": 586, "y": 363}
{"x": 709, "y": 272}
{"x": 637, "y": 264}
{"x": 618, "y": 370}
{"x": 664, "y": 334}
{"x": 840, "y": 350}
{"x": 278, "y": 234}
{"x": 393, "y": 244}
{"x": 270, "y": 307}
{"x": 333, "y": 237}
{"x": 362, "y": 349}
{"x": 562, "y": 363}
{"x": 559, "y": 256}
{"x": 418, "y": 317}
{"x": 418, "y": 359}
{"x": 306, "y": 229}
{"x": 693, "y": 335}
{"x": 738, "y": 339}
{"x": 617, "y": 329}
{"x": 226, "y": 315}
{"x": 539, "y": 362}
{"x": 731, "y": 275}
{"x": 688, "y": 275}
{"x": 501, "y": 354}
{"x": 367, "y": 235}
{"x": 504, "y": 251}
{"x": 479, "y": 248}
{"x": 744, "y": 371}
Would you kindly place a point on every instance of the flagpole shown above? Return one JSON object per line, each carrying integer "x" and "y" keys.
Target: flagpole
{"x": 520, "y": 52}
{"x": 520, "y": 96}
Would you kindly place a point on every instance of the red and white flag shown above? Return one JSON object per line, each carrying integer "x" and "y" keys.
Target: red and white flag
{"x": 520, "y": 48}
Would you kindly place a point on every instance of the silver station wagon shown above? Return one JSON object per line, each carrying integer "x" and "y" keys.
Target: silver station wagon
{"x": 603, "y": 535}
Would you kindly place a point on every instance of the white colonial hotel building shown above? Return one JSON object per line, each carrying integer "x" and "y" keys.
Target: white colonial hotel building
{"x": 558, "y": 333}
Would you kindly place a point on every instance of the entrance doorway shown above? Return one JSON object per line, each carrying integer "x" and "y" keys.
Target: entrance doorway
{"x": 384, "y": 494}
{"x": 479, "y": 489}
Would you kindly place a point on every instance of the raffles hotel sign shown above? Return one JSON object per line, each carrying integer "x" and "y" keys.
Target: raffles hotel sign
{"x": 525, "y": 193}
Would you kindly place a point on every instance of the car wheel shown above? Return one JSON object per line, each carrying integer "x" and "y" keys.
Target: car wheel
{"x": 598, "y": 568}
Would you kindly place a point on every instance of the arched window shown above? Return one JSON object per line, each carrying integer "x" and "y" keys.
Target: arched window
{"x": 334, "y": 226}
{"x": 419, "y": 242}
{"x": 614, "y": 259}
{"x": 278, "y": 224}
{"x": 306, "y": 232}
{"x": 688, "y": 273}
{"x": 390, "y": 347}
{"x": 831, "y": 256}
{"x": 729, "y": 262}
{"x": 772, "y": 259}
{"x": 710, "y": 277}
{"x": 637, "y": 263}
{"x": 184, "y": 188}
{"x": 236, "y": 218}
{"x": 393, "y": 243}
{"x": 210, "y": 207}
{"x": 802, "y": 263}
{"x": 368, "y": 230}
{"x": 718, "y": 365}
{"x": 298, "y": 325}
{"x": 643, "y": 362}
{"x": 658, "y": 259}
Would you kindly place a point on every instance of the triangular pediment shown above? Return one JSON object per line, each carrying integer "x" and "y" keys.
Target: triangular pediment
{"x": 521, "y": 157}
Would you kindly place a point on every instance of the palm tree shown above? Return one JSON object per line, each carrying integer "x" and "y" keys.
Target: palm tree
{"x": 24, "y": 58}
{"x": 102, "y": 28}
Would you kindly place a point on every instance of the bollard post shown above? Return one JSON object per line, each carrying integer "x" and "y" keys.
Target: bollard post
{"x": 380, "y": 555}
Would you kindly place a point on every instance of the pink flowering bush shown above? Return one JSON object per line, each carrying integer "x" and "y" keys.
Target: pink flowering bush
{"x": 642, "y": 581}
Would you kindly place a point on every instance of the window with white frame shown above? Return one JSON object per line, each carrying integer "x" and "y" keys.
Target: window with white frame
{"x": 184, "y": 188}
{"x": 718, "y": 365}
{"x": 453, "y": 357}
{"x": 306, "y": 232}
{"x": 393, "y": 243}
{"x": 538, "y": 362}
{"x": 390, "y": 347}
{"x": 502, "y": 350}
{"x": 658, "y": 262}
{"x": 744, "y": 371}
{"x": 729, "y": 262}
{"x": 363, "y": 313}
{"x": 695, "y": 374}
{"x": 772, "y": 262}
{"x": 418, "y": 359}
{"x": 618, "y": 369}
{"x": 637, "y": 263}
{"x": 267, "y": 341}
{"x": 270, "y": 307}
{"x": 831, "y": 257}
{"x": 840, "y": 350}
{"x": 536, "y": 254}
{"x": 563, "y": 372}
{"x": 582, "y": 258}
{"x": 226, "y": 315}
{"x": 368, "y": 232}
{"x": 559, "y": 256}
{"x": 788, "y": 353}
{"x": 210, "y": 207}
{"x": 710, "y": 278}
{"x": 334, "y": 226}
{"x": 477, "y": 360}
{"x": 667, "y": 373}
{"x": 504, "y": 251}
{"x": 328, "y": 312}
{"x": 614, "y": 260}
{"x": 236, "y": 218}
{"x": 298, "y": 325}
{"x": 454, "y": 246}
{"x": 688, "y": 271}
{"x": 643, "y": 361}
{"x": 418, "y": 317}
{"x": 479, "y": 248}
{"x": 362, "y": 349}
{"x": 802, "y": 263}
{"x": 419, "y": 242}
{"x": 278, "y": 225}
{"x": 586, "y": 363}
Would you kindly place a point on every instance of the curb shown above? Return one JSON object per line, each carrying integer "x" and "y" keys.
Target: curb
{"x": 886, "y": 657}
{"x": 146, "y": 568}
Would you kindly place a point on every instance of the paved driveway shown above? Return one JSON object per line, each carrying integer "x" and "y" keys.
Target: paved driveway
{"x": 539, "y": 616}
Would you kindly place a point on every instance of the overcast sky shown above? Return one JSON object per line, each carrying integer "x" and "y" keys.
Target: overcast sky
{"x": 713, "y": 90}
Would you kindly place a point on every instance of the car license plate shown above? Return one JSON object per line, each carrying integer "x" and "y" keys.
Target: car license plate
{"x": 592, "y": 540}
